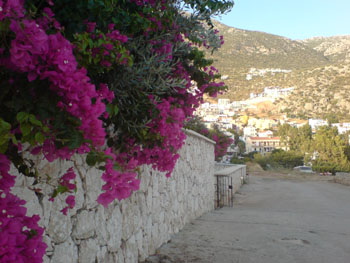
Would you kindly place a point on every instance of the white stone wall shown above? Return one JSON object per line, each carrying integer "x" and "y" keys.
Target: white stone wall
{"x": 236, "y": 171}
{"x": 130, "y": 230}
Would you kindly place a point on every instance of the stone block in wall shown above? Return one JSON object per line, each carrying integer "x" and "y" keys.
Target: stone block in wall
{"x": 162, "y": 183}
{"x": 66, "y": 252}
{"x": 155, "y": 236}
{"x": 114, "y": 229}
{"x": 165, "y": 201}
{"x": 164, "y": 233}
{"x": 118, "y": 257}
{"x": 88, "y": 250}
{"x": 46, "y": 259}
{"x": 155, "y": 190}
{"x": 146, "y": 178}
{"x": 21, "y": 180}
{"x": 139, "y": 243}
{"x": 100, "y": 226}
{"x": 79, "y": 195}
{"x": 32, "y": 202}
{"x": 60, "y": 226}
{"x": 141, "y": 201}
{"x": 147, "y": 229}
{"x": 48, "y": 242}
{"x": 145, "y": 249}
{"x": 156, "y": 208}
{"x": 47, "y": 207}
{"x": 93, "y": 184}
{"x": 149, "y": 200}
{"x": 130, "y": 250}
{"x": 85, "y": 225}
{"x": 127, "y": 210}
{"x": 102, "y": 255}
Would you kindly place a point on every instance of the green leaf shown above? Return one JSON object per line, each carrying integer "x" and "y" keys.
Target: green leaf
{"x": 116, "y": 109}
{"x": 91, "y": 43}
{"x": 109, "y": 109}
{"x": 34, "y": 120}
{"x": 62, "y": 189}
{"x": 75, "y": 141}
{"x": 4, "y": 126}
{"x": 48, "y": 177}
{"x": 25, "y": 129}
{"x": 39, "y": 137}
{"x": 3, "y": 147}
{"x": 14, "y": 140}
{"x": 32, "y": 233}
{"x": 91, "y": 158}
{"x": 22, "y": 116}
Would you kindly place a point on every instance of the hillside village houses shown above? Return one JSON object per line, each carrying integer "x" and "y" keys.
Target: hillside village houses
{"x": 342, "y": 127}
{"x": 254, "y": 72}
{"x": 272, "y": 92}
{"x": 257, "y": 133}
{"x": 316, "y": 123}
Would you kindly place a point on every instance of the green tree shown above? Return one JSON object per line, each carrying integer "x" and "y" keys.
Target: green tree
{"x": 296, "y": 139}
{"x": 330, "y": 149}
{"x": 289, "y": 136}
{"x": 332, "y": 118}
{"x": 235, "y": 134}
{"x": 286, "y": 159}
{"x": 241, "y": 146}
{"x": 304, "y": 142}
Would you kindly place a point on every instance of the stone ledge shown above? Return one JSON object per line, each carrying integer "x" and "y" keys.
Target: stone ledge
{"x": 228, "y": 170}
{"x": 196, "y": 134}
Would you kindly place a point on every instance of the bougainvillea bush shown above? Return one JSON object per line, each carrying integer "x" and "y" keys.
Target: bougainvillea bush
{"x": 113, "y": 80}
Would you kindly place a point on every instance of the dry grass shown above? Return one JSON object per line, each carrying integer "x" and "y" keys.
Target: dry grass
{"x": 255, "y": 169}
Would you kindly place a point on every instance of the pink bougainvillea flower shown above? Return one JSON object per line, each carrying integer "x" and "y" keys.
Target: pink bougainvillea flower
{"x": 64, "y": 210}
{"x": 70, "y": 201}
{"x": 90, "y": 26}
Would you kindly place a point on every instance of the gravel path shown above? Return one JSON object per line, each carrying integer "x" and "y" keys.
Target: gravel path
{"x": 274, "y": 220}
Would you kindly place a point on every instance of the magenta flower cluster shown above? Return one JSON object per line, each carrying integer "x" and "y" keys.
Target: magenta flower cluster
{"x": 20, "y": 235}
{"x": 118, "y": 184}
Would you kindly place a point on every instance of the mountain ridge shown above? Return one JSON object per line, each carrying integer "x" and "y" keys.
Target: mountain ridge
{"x": 318, "y": 65}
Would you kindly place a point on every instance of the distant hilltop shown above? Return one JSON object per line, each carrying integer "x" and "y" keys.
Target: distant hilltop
{"x": 318, "y": 68}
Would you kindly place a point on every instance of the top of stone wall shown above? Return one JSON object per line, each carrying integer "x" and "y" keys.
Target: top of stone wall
{"x": 229, "y": 170}
{"x": 200, "y": 136}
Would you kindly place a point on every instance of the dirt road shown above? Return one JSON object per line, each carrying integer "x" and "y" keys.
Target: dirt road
{"x": 274, "y": 220}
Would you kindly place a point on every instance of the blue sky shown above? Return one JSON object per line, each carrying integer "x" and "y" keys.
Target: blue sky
{"x": 295, "y": 19}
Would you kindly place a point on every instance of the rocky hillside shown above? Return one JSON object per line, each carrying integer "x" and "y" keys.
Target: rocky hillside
{"x": 336, "y": 49}
{"x": 318, "y": 69}
{"x": 246, "y": 49}
{"x": 321, "y": 92}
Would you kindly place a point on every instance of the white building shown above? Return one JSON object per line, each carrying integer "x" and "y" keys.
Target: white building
{"x": 267, "y": 133}
{"x": 205, "y": 105}
{"x": 223, "y": 102}
{"x": 316, "y": 123}
{"x": 342, "y": 127}
{"x": 262, "y": 144}
{"x": 249, "y": 131}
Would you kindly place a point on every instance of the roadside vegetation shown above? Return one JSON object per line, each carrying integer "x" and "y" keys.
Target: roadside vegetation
{"x": 325, "y": 150}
